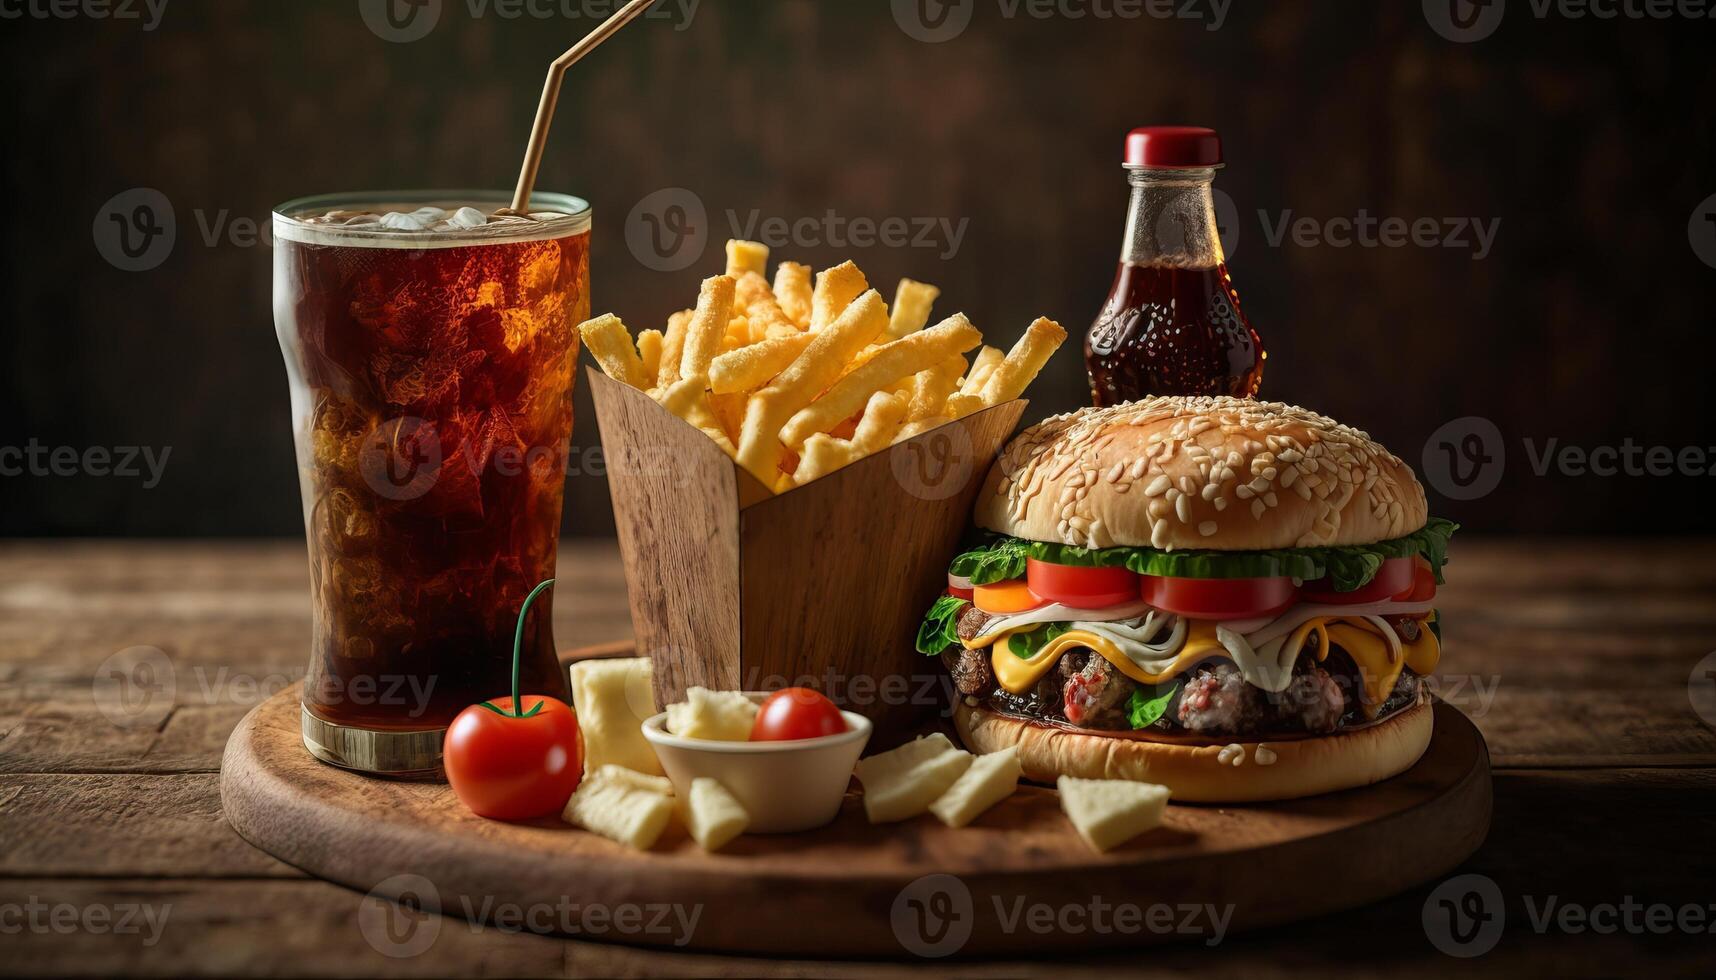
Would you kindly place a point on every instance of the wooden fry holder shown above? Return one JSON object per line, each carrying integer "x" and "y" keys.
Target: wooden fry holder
{"x": 733, "y": 588}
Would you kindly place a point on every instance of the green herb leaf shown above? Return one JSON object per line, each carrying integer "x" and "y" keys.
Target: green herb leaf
{"x": 996, "y": 561}
{"x": 1146, "y": 706}
{"x": 1348, "y": 567}
{"x": 939, "y": 630}
{"x": 1025, "y": 645}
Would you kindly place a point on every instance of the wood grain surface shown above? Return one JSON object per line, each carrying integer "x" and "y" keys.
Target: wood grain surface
{"x": 836, "y": 890}
{"x": 1573, "y": 657}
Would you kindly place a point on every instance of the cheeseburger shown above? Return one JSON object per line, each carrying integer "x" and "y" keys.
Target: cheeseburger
{"x": 1232, "y": 598}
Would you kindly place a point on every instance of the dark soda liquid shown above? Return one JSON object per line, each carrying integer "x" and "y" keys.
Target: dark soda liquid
{"x": 432, "y": 401}
{"x": 1172, "y": 330}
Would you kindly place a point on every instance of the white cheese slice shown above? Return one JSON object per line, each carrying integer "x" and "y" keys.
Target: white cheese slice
{"x": 1110, "y": 812}
{"x": 902, "y": 783}
{"x": 987, "y": 781}
{"x": 712, "y": 815}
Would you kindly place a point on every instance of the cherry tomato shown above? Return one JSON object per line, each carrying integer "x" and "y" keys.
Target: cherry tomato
{"x": 1395, "y": 576}
{"x": 960, "y": 587}
{"x": 509, "y": 768}
{"x": 1012, "y": 596}
{"x": 1082, "y": 588}
{"x": 1220, "y": 598}
{"x": 796, "y": 712}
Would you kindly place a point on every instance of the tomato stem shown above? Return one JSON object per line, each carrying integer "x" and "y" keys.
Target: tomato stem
{"x": 518, "y": 646}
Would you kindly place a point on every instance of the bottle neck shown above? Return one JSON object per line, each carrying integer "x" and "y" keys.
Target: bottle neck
{"x": 1172, "y": 219}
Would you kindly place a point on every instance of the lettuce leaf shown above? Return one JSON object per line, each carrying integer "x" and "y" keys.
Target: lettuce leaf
{"x": 995, "y": 560}
{"x": 1349, "y": 567}
{"x": 1025, "y": 645}
{"x": 1146, "y": 706}
{"x": 938, "y": 631}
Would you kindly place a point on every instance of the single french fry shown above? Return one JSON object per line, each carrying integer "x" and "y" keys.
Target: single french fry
{"x": 959, "y": 405}
{"x": 687, "y": 398}
{"x": 823, "y": 454}
{"x": 751, "y": 367}
{"x": 610, "y": 343}
{"x": 889, "y": 364}
{"x": 705, "y": 420}
{"x": 729, "y": 412}
{"x": 1024, "y": 362}
{"x": 672, "y": 347}
{"x": 793, "y": 292}
{"x": 708, "y": 324}
{"x": 814, "y": 370}
{"x": 649, "y": 352}
{"x": 680, "y": 396}
{"x": 912, "y": 430}
{"x": 743, "y": 257}
{"x": 982, "y": 366}
{"x": 912, "y": 303}
{"x": 836, "y": 289}
{"x": 750, "y": 289}
{"x": 929, "y": 391}
{"x": 882, "y": 417}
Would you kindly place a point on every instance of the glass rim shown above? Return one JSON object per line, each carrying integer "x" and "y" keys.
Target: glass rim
{"x": 289, "y": 224}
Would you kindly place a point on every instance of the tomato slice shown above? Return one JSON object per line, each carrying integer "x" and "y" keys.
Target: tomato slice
{"x": 1394, "y": 577}
{"x": 1220, "y": 598}
{"x": 959, "y": 587}
{"x": 1012, "y": 596}
{"x": 1423, "y": 583}
{"x": 794, "y": 713}
{"x": 1082, "y": 588}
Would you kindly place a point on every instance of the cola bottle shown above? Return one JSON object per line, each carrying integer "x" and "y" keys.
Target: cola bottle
{"x": 1172, "y": 324}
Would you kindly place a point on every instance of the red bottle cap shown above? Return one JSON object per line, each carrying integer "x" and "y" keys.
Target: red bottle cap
{"x": 1173, "y": 146}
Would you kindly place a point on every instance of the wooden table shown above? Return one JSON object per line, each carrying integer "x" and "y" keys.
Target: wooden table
{"x": 1574, "y": 657}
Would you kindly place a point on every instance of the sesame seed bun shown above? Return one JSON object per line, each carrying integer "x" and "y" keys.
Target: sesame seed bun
{"x": 1225, "y": 474}
{"x": 1266, "y": 770}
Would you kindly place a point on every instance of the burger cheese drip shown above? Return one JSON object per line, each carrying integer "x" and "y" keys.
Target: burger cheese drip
{"x": 1157, "y": 647}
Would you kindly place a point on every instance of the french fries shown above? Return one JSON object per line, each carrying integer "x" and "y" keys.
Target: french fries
{"x": 611, "y": 345}
{"x": 798, "y": 377}
{"x": 743, "y": 257}
{"x": 836, "y": 289}
{"x": 888, "y": 365}
{"x": 793, "y": 292}
{"x": 752, "y": 367}
{"x": 672, "y": 347}
{"x": 981, "y": 368}
{"x": 912, "y": 302}
{"x": 1024, "y": 362}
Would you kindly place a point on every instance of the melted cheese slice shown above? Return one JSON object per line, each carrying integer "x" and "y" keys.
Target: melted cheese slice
{"x": 1372, "y": 645}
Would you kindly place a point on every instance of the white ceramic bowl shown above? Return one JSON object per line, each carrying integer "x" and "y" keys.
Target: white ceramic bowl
{"x": 786, "y": 787}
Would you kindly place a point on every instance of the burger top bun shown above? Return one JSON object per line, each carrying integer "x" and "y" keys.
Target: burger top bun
{"x": 1223, "y": 474}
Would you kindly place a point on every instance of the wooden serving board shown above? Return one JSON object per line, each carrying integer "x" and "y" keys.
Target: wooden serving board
{"x": 1019, "y": 880}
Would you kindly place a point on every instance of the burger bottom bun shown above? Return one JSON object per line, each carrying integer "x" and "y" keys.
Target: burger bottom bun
{"x": 1208, "y": 773}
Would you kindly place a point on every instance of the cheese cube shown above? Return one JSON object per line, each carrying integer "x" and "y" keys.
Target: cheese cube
{"x": 989, "y": 780}
{"x": 902, "y": 783}
{"x": 1110, "y": 812}
{"x": 613, "y": 698}
{"x": 620, "y": 811}
{"x": 632, "y": 779}
{"x": 725, "y": 716}
{"x": 712, "y": 815}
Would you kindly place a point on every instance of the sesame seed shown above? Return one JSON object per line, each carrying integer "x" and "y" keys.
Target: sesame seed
{"x": 1207, "y": 528}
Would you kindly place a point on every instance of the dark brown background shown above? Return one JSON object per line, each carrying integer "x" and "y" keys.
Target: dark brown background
{"x": 1591, "y": 141}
